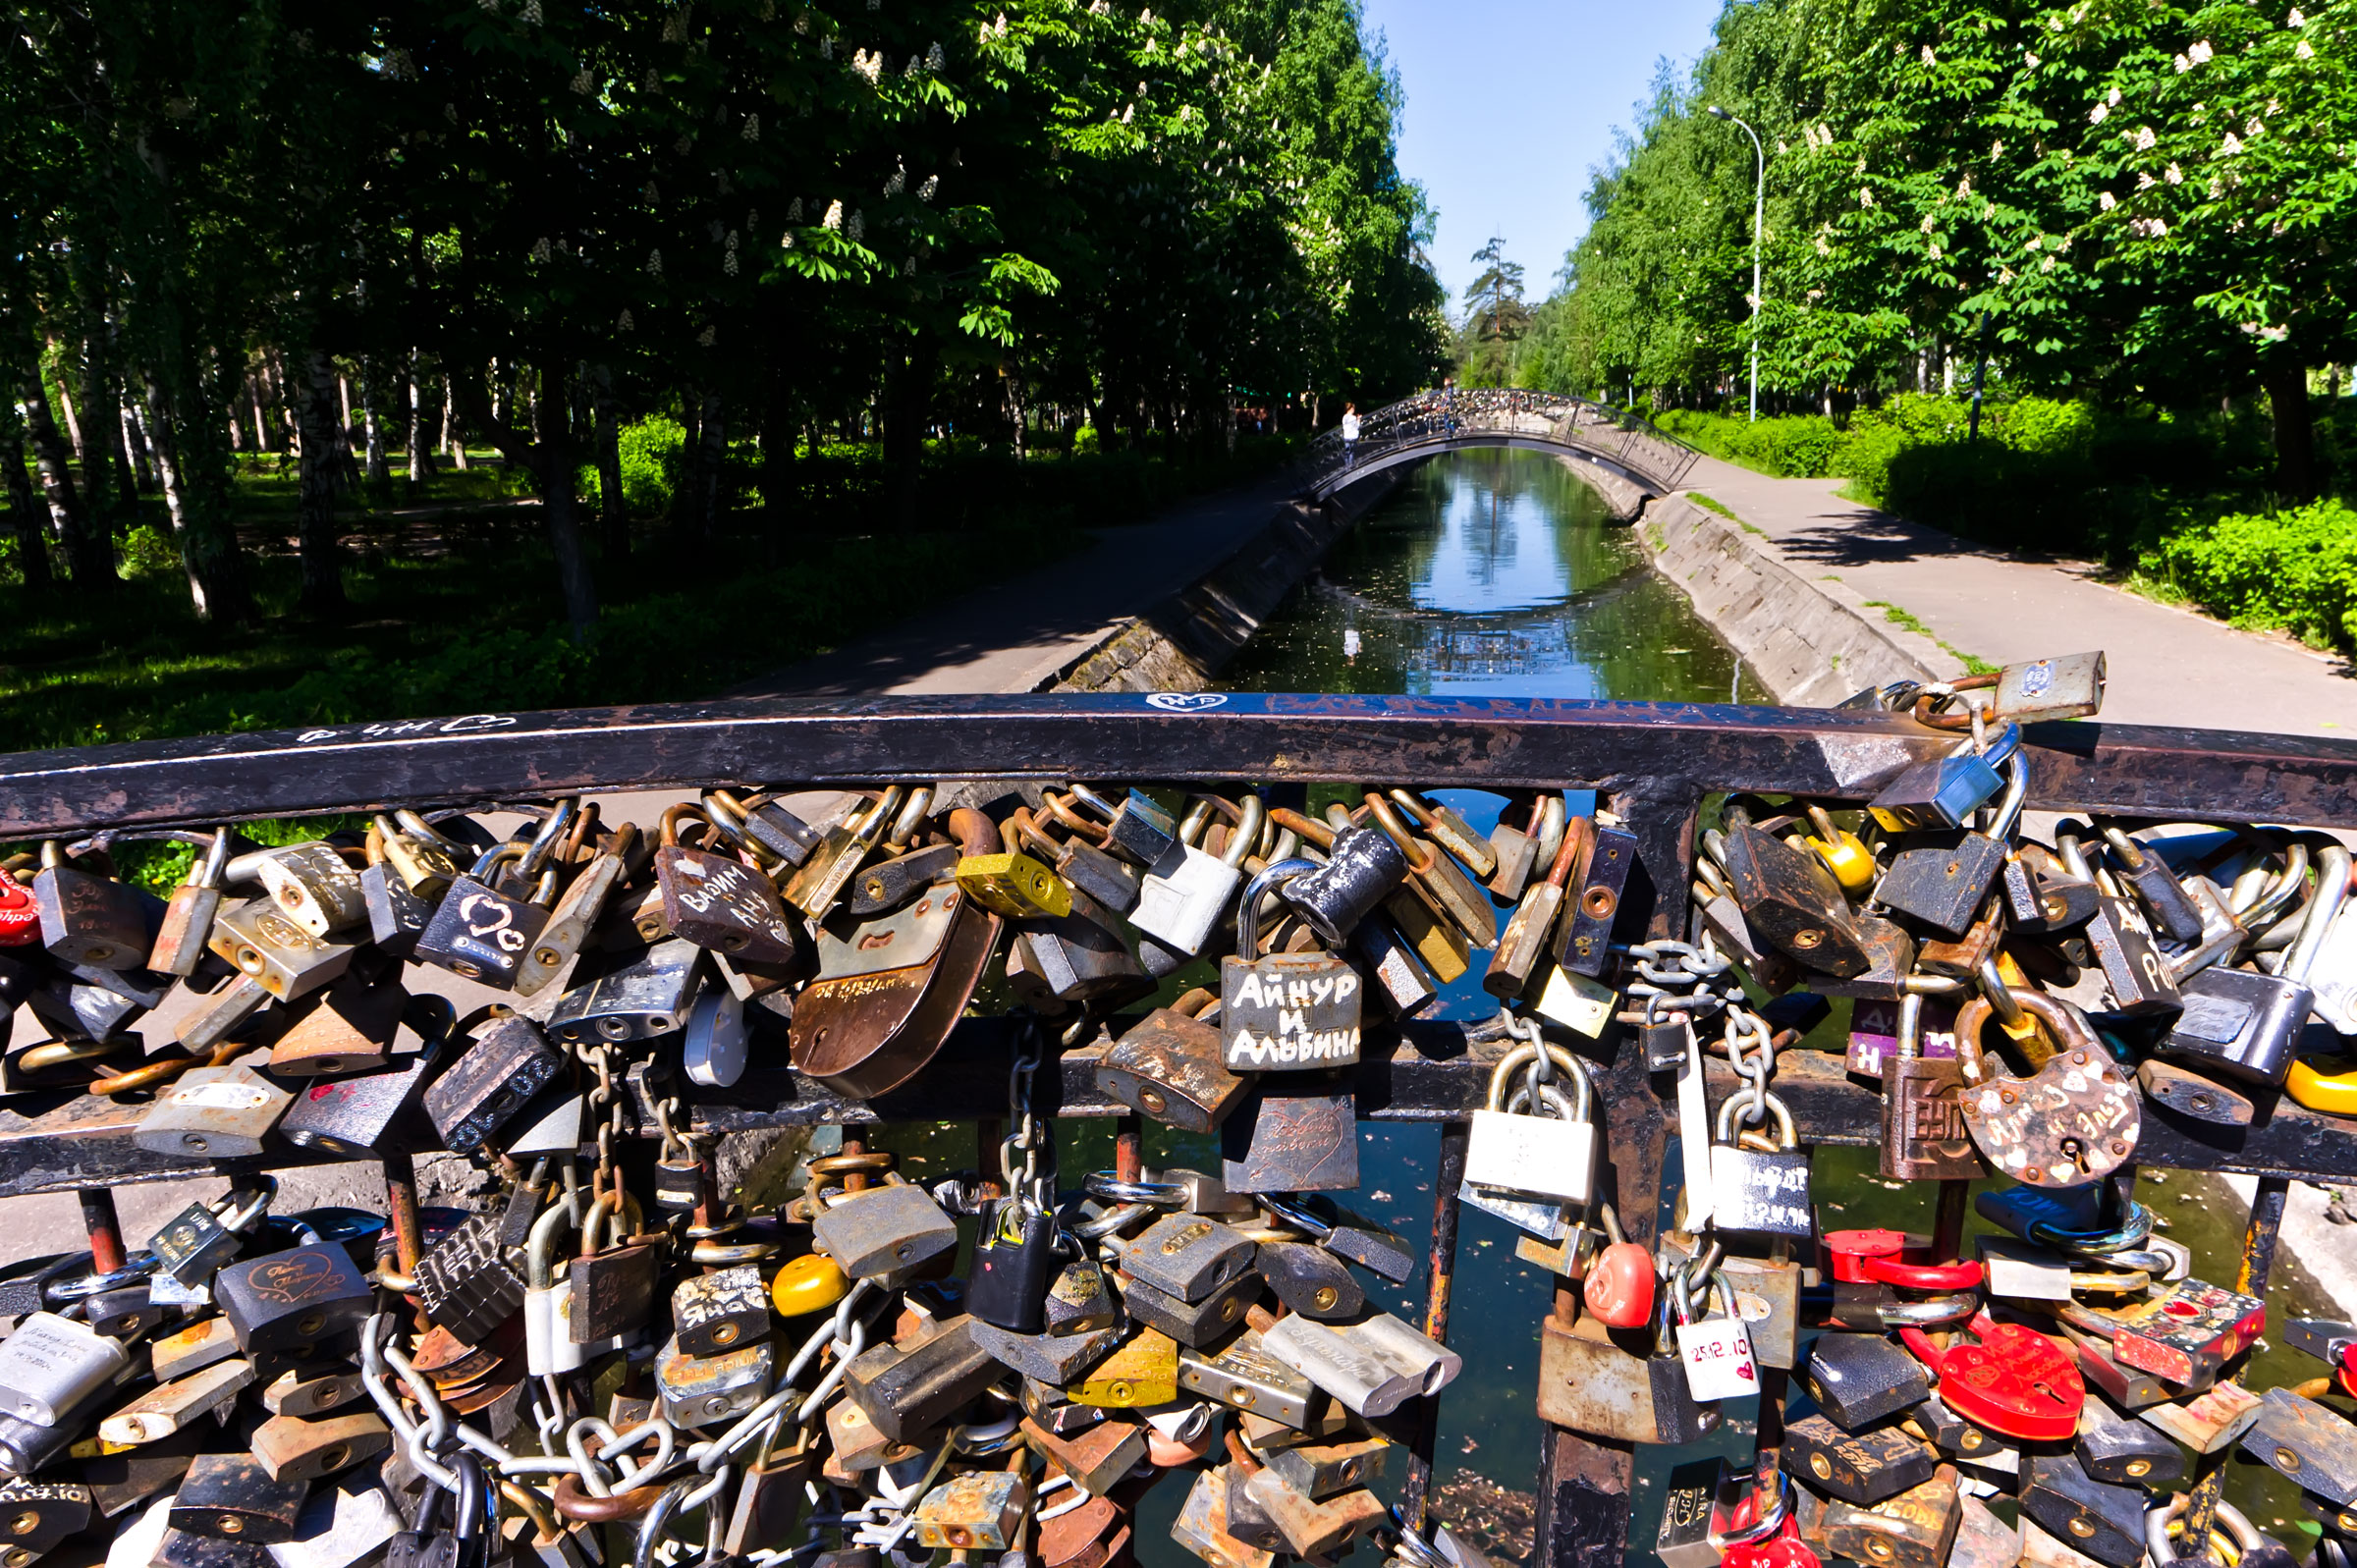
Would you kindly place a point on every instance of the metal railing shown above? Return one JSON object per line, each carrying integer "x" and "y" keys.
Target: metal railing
{"x": 1651, "y": 763}
{"x": 1455, "y": 418}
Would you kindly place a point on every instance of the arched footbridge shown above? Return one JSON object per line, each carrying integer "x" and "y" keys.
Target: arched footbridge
{"x": 1461, "y": 419}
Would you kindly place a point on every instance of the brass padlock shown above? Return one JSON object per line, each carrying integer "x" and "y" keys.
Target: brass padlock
{"x": 1169, "y": 1065}
{"x": 312, "y": 885}
{"x": 275, "y": 953}
{"x": 717, "y": 901}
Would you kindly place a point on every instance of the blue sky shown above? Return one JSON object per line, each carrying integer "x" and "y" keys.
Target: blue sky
{"x": 1511, "y": 102}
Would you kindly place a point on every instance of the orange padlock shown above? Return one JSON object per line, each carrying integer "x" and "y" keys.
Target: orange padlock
{"x": 1620, "y": 1285}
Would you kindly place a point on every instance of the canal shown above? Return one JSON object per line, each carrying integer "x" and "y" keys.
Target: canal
{"x": 1498, "y": 573}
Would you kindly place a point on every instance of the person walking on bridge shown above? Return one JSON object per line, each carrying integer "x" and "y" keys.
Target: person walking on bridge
{"x": 1350, "y": 434}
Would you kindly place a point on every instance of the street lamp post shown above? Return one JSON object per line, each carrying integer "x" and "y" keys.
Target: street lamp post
{"x": 1759, "y": 207}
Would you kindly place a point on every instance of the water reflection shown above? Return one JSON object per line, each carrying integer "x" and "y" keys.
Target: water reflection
{"x": 1494, "y": 573}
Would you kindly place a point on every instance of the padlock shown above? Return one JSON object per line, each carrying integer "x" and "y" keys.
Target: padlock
{"x": 1925, "y": 1136}
{"x": 819, "y": 880}
{"x": 1536, "y": 1156}
{"x": 1363, "y": 869}
{"x": 722, "y": 1311}
{"x": 98, "y": 922}
{"x": 715, "y": 901}
{"x": 292, "y": 1448}
{"x": 275, "y": 953}
{"x": 1618, "y": 1287}
{"x": 1098, "y": 1457}
{"x": 1372, "y": 1367}
{"x": 2166, "y": 903}
{"x": 1314, "y": 1527}
{"x": 51, "y": 1366}
{"x": 2307, "y": 1442}
{"x": 1286, "y": 1011}
{"x": 712, "y": 1391}
{"x": 232, "y": 1497}
{"x": 2073, "y": 1122}
{"x": 885, "y": 1228}
{"x": 651, "y": 995}
{"x": 806, "y": 1284}
{"x": 888, "y": 990}
{"x": 2103, "y": 1521}
{"x": 1185, "y": 892}
{"x": 909, "y": 1392}
{"x": 1008, "y": 883}
{"x": 1082, "y": 955}
{"x": 466, "y": 1282}
{"x": 349, "y": 1029}
{"x": 379, "y": 1113}
{"x": 1857, "y": 1380}
{"x": 1247, "y": 1377}
{"x": 200, "y": 1344}
{"x": 491, "y": 1078}
{"x": 1684, "y": 1538}
{"x": 1197, "y": 1322}
{"x": 1299, "y": 1136}
{"x": 312, "y": 885}
{"x": 2135, "y": 974}
{"x": 1530, "y": 929}
{"x": 1862, "y": 1467}
{"x": 36, "y": 1516}
{"x": 180, "y": 942}
{"x": 1203, "y": 1526}
{"x": 2183, "y": 1334}
{"x": 1167, "y": 1065}
{"x": 1946, "y": 791}
{"x": 613, "y": 1287}
{"x": 1584, "y": 945}
{"x": 1789, "y": 900}
{"x": 1758, "y": 1192}
{"x": 1589, "y": 1384}
{"x": 480, "y": 932}
{"x": 2205, "y": 1422}
{"x": 1435, "y": 875}
{"x": 2014, "y": 1382}
{"x": 2041, "y": 896}
{"x": 1714, "y": 1347}
{"x": 1309, "y": 1280}
{"x": 1913, "y": 1530}
{"x": 178, "y": 1404}
{"x": 1943, "y": 881}
{"x": 1014, "y": 1255}
{"x": 213, "y": 1114}
{"x": 203, "y": 1237}
{"x": 311, "y": 1388}
{"x": 289, "y": 1303}
{"x": 2125, "y": 1453}
{"x": 576, "y": 911}
{"x": 1185, "y": 1255}
{"x": 2245, "y": 1023}
{"x": 981, "y": 1510}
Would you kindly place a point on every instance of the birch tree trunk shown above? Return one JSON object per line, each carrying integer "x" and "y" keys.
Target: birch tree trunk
{"x": 377, "y": 475}
{"x": 90, "y": 562}
{"x": 27, "y": 516}
{"x": 315, "y": 512}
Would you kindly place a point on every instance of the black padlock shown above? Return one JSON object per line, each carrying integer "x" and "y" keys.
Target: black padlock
{"x": 1310, "y": 1281}
{"x": 492, "y": 1079}
{"x": 1859, "y": 1379}
{"x": 1363, "y": 867}
{"x": 2041, "y": 897}
{"x": 1862, "y": 1467}
{"x": 1588, "y": 917}
{"x": 2125, "y": 1453}
{"x": 1015, "y": 1257}
{"x": 911, "y": 1391}
{"x": 725, "y": 1310}
{"x": 467, "y": 1283}
{"x": 232, "y": 1497}
{"x": 1791, "y": 901}
{"x": 2106, "y": 1521}
{"x": 377, "y": 1112}
{"x": 2172, "y": 910}
{"x": 35, "y": 1515}
{"x": 1942, "y": 878}
{"x": 290, "y": 1302}
{"x": 479, "y": 932}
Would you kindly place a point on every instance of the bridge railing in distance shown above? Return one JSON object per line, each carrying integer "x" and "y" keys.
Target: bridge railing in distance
{"x": 1440, "y": 420}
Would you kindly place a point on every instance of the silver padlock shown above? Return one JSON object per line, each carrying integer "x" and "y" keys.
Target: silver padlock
{"x": 1372, "y": 1367}
{"x": 701, "y": 1390}
{"x": 1537, "y": 1156}
{"x": 1183, "y": 895}
{"x": 310, "y": 884}
{"x": 214, "y": 1114}
{"x": 881, "y": 1231}
{"x": 52, "y": 1364}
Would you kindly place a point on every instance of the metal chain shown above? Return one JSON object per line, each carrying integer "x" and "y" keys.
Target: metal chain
{"x": 1031, "y": 1179}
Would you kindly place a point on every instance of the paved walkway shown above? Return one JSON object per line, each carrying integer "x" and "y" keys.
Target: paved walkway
{"x": 1017, "y": 635}
{"x": 2168, "y": 666}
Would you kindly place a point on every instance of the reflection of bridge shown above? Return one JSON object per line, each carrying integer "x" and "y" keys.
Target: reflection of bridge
{"x": 1502, "y": 642}
{"x": 1459, "y": 420}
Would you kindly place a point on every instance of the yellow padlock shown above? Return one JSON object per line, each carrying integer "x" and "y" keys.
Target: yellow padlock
{"x": 1143, "y": 1373}
{"x": 806, "y": 1284}
{"x": 1015, "y": 886}
{"x": 1843, "y": 855}
{"x": 2334, "y": 1092}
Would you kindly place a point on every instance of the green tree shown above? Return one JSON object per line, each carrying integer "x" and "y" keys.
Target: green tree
{"x": 1497, "y": 317}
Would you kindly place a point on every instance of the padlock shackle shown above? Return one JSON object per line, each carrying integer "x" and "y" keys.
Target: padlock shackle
{"x": 911, "y": 817}
{"x": 1787, "y": 1133}
{"x": 1965, "y": 1275}
{"x": 540, "y": 1263}
{"x": 1418, "y": 861}
{"x": 1525, "y": 1055}
{"x": 2331, "y": 892}
{"x": 1247, "y": 914}
{"x": 552, "y": 828}
{"x": 1940, "y": 1311}
{"x": 1317, "y": 832}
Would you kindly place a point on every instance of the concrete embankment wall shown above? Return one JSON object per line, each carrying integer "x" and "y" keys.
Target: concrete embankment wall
{"x": 1811, "y": 643}
{"x": 1182, "y": 643}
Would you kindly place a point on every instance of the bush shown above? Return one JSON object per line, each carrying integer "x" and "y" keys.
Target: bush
{"x": 2292, "y": 572}
{"x": 1790, "y": 446}
{"x": 1087, "y": 442}
{"x": 148, "y": 551}
{"x": 651, "y": 451}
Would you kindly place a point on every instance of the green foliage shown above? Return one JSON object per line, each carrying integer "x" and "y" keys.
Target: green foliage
{"x": 650, "y": 451}
{"x": 2293, "y": 570}
{"x": 1796, "y": 447}
{"x": 148, "y": 551}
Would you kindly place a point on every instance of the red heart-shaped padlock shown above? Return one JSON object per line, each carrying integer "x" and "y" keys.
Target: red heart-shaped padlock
{"x": 2016, "y": 1381}
{"x": 1620, "y": 1285}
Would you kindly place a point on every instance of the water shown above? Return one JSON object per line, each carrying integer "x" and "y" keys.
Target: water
{"x": 1499, "y": 574}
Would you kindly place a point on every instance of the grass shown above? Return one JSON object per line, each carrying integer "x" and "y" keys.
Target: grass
{"x": 1908, "y": 620}
{"x": 455, "y": 608}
